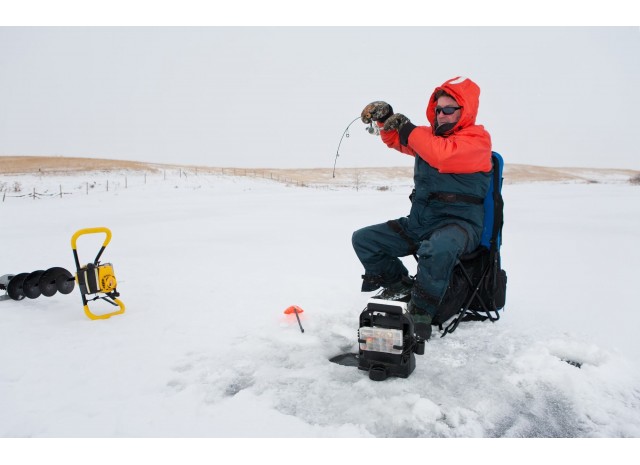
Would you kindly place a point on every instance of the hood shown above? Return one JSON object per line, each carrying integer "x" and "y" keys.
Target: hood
{"x": 467, "y": 94}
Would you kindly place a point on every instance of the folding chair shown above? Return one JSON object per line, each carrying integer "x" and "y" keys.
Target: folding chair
{"x": 479, "y": 275}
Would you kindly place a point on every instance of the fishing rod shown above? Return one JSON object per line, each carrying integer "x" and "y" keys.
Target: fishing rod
{"x": 371, "y": 129}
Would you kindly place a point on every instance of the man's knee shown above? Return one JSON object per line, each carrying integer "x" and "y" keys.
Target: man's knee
{"x": 449, "y": 241}
{"x": 359, "y": 237}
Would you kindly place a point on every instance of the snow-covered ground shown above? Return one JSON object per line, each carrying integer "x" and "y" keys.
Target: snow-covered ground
{"x": 206, "y": 266}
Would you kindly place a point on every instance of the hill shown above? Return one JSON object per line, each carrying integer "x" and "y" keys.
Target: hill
{"x": 514, "y": 173}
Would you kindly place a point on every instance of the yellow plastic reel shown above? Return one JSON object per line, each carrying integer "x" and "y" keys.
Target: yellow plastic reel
{"x": 106, "y": 278}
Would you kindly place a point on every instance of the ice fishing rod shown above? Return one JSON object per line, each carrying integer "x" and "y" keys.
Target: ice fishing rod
{"x": 370, "y": 129}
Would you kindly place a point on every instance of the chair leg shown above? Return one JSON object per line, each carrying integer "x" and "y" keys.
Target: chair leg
{"x": 465, "y": 311}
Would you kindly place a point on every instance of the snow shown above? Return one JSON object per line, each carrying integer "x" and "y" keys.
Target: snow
{"x": 206, "y": 266}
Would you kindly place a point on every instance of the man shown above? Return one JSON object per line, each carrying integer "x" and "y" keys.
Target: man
{"x": 452, "y": 175}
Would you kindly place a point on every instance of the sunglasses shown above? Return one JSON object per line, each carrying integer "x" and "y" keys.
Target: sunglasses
{"x": 447, "y": 110}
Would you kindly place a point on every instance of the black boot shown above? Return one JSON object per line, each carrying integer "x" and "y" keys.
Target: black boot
{"x": 397, "y": 290}
{"x": 421, "y": 322}
{"x": 371, "y": 283}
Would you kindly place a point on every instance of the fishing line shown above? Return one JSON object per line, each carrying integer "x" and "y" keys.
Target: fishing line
{"x": 370, "y": 129}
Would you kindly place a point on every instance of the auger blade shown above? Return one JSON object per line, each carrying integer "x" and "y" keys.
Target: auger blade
{"x": 65, "y": 282}
{"x": 49, "y": 280}
{"x": 14, "y": 288}
{"x": 31, "y": 287}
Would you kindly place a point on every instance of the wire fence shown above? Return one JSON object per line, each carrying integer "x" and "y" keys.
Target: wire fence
{"x": 55, "y": 184}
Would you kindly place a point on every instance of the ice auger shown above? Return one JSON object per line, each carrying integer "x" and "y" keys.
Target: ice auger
{"x": 37, "y": 283}
{"x": 95, "y": 279}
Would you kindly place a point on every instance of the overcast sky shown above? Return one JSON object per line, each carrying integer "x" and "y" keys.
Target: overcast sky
{"x": 282, "y": 96}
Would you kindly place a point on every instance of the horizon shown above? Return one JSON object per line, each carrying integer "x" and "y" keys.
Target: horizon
{"x": 90, "y": 160}
{"x": 35, "y": 168}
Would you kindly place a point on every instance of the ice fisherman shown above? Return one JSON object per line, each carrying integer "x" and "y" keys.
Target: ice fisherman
{"x": 452, "y": 174}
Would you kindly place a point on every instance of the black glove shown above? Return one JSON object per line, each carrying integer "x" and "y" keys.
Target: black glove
{"x": 395, "y": 122}
{"x": 400, "y": 123}
{"x": 376, "y": 111}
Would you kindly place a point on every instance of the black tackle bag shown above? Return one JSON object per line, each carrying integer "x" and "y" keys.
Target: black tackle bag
{"x": 386, "y": 340}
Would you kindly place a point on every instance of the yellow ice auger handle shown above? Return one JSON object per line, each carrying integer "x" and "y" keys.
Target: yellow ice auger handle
{"x": 84, "y": 231}
{"x": 85, "y": 303}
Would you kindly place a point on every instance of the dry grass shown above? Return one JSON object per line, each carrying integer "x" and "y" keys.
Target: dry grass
{"x": 526, "y": 173}
{"x": 513, "y": 173}
{"x": 57, "y": 165}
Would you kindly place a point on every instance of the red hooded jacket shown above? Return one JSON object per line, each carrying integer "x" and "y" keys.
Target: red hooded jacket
{"x": 464, "y": 149}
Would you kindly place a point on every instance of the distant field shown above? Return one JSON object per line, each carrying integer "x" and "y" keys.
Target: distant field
{"x": 13, "y": 165}
{"x": 34, "y": 165}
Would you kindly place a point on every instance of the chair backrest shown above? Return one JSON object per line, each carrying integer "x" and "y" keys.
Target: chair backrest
{"x": 493, "y": 207}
